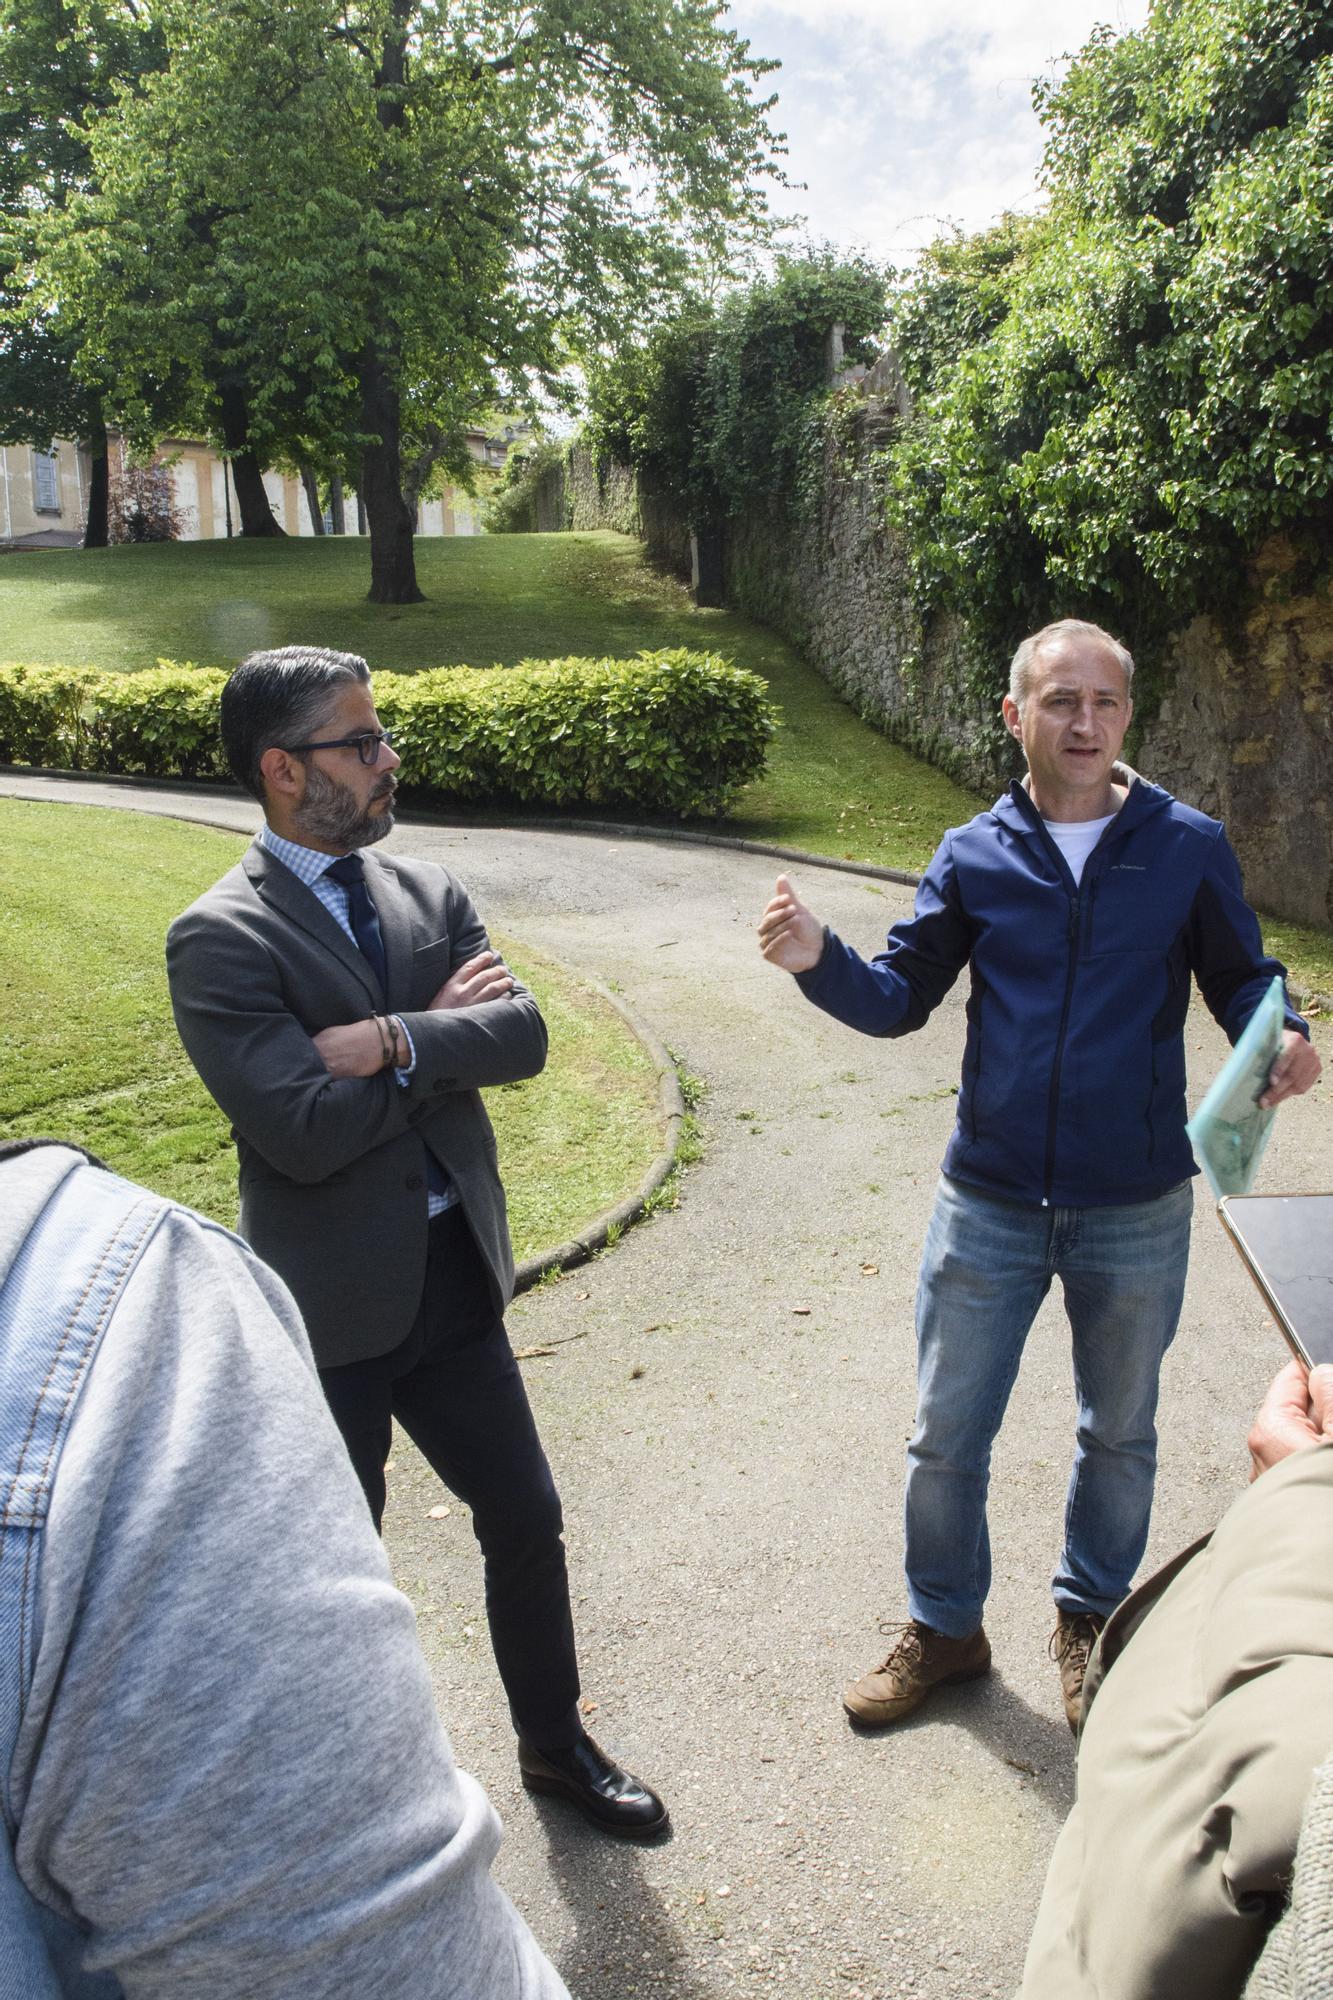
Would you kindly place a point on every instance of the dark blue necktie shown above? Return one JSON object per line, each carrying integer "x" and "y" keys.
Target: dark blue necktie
{"x": 350, "y": 874}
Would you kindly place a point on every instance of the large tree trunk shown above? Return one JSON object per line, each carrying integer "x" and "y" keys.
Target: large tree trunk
{"x": 96, "y": 531}
{"x": 337, "y": 506}
{"x": 393, "y": 571}
{"x": 310, "y": 487}
{"x": 247, "y": 473}
{"x": 257, "y": 517}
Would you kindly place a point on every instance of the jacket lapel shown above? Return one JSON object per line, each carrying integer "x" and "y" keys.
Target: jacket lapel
{"x": 395, "y": 917}
{"x": 277, "y": 886}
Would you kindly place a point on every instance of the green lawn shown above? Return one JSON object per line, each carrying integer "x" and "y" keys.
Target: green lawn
{"x": 833, "y": 785}
{"x": 88, "y": 1049}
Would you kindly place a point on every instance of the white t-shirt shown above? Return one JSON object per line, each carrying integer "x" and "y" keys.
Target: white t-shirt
{"x": 1076, "y": 839}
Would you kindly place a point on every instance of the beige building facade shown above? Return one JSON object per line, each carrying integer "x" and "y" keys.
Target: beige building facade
{"x": 44, "y": 494}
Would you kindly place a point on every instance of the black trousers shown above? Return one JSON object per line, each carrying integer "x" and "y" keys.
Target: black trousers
{"x": 455, "y": 1388}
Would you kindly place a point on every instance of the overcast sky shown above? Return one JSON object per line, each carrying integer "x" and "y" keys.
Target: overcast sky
{"x": 903, "y": 116}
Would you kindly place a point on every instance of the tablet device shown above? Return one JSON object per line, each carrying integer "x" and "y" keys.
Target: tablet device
{"x": 1286, "y": 1241}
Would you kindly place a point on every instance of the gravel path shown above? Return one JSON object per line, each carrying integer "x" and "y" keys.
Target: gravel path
{"x": 728, "y": 1429}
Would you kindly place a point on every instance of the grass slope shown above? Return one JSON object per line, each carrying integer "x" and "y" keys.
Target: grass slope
{"x": 833, "y": 785}
{"x": 88, "y": 1049}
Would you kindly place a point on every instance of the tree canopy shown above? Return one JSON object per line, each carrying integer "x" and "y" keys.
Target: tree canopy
{"x": 1121, "y": 398}
{"x": 717, "y": 401}
{"x": 364, "y": 222}
{"x": 58, "y": 71}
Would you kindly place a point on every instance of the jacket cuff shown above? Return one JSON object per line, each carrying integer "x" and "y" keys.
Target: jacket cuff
{"x": 808, "y": 981}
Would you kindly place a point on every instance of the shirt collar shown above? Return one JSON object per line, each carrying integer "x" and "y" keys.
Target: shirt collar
{"x": 306, "y": 863}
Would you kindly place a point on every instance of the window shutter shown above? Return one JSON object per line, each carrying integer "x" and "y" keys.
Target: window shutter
{"x": 45, "y": 482}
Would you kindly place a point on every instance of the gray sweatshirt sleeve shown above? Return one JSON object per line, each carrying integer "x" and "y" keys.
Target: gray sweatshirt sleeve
{"x": 230, "y": 1770}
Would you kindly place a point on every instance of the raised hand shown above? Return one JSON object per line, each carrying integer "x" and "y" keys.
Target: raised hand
{"x": 790, "y": 934}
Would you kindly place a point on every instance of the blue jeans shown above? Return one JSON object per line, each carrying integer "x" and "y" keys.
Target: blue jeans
{"x": 986, "y": 1267}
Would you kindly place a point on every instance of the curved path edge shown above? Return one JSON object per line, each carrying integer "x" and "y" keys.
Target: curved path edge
{"x": 1302, "y": 996}
{"x": 596, "y": 1234}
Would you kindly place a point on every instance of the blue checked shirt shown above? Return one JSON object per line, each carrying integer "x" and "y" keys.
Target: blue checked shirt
{"x": 309, "y": 865}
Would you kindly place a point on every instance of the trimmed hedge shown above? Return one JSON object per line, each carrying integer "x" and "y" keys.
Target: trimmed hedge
{"x": 670, "y": 732}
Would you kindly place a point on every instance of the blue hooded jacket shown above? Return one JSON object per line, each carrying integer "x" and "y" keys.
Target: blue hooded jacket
{"x": 1073, "y": 1088}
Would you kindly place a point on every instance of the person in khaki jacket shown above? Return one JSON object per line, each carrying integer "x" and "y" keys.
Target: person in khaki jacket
{"x": 1206, "y": 1711}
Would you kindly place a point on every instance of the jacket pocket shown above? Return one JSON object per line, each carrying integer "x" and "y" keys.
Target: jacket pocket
{"x": 1166, "y": 1102}
{"x": 1127, "y": 913}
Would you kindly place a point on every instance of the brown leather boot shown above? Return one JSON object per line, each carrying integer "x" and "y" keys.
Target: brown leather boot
{"x": 919, "y": 1659}
{"x": 1071, "y": 1644}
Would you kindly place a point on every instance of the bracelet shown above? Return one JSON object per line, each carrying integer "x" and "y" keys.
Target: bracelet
{"x": 386, "y": 1045}
{"x": 397, "y": 1030}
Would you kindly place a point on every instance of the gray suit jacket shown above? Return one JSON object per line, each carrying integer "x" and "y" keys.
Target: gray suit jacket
{"x": 333, "y": 1171}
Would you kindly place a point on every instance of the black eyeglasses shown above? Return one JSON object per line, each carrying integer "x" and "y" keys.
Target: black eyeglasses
{"x": 367, "y": 746}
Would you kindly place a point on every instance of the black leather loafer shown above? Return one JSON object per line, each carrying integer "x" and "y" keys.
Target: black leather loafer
{"x": 603, "y": 1793}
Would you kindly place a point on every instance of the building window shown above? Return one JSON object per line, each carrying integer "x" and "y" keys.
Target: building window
{"x": 45, "y": 482}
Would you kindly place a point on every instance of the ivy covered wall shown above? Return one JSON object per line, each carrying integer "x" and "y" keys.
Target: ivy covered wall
{"x": 1235, "y": 716}
{"x": 1118, "y": 408}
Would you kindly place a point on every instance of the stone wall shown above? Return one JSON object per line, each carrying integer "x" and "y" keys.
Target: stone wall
{"x": 550, "y": 515}
{"x": 580, "y": 494}
{"x": 1244, "y": 730}
{"x": 835, "y": 584}
{"x": 600, "y": 495}
{"x": 1242, "y": 727}
{"x": 666, "y": 532}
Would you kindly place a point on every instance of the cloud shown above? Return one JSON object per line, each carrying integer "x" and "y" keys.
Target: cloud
{"x": 1023, "y": 36}
{"x": 902, "y": 118}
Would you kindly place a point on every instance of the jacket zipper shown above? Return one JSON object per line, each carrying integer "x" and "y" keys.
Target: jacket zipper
{"x": 1053, "y": 1113}
{"x": 1075, "y": 915}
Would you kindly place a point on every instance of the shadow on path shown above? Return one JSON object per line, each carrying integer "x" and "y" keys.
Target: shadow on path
{"x": 1035, "y": 1747}
{"x": 622, "y": 1928}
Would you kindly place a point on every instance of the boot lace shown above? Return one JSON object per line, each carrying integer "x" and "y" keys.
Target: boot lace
{"x": 909, "y": 1643}
{"x": 1073, "y": 1639}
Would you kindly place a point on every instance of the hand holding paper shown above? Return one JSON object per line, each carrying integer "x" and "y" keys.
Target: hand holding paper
{"x": 1230, "y": 1128}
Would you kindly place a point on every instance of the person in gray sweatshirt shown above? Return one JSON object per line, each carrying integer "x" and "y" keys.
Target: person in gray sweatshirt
{"x": 221, "y": 1768}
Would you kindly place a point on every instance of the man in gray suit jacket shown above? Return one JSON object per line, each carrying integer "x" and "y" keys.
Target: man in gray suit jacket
{"x": 345, "y": 1011}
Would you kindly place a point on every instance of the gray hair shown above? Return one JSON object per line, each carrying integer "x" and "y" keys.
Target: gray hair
{"x": 280, "y": 697}
{"x": 1020, "y": 667}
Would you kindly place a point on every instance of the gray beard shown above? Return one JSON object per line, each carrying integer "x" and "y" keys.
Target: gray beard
{"x": 330, "y": 812}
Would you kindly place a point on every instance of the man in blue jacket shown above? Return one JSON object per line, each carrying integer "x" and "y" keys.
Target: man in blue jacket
{"x": 1082, "y": 902}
